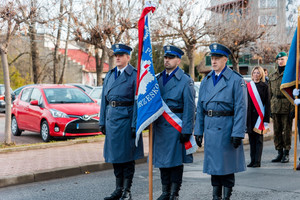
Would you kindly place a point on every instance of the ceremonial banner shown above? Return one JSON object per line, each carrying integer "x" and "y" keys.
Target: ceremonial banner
{"x": 149, "y": 102}
{"x": 289, "y": 76}
{"x": 290, "y": 79}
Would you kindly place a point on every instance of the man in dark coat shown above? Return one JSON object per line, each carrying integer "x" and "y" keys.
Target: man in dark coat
{"x": 221, "y": 118}
{"x": 118, "y": 122}
{"x": 169, "y": 154}
{"x": 281, "y": 112}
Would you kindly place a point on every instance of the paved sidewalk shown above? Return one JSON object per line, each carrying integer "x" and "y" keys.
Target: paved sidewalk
{"x": 53, "y": 160}
{"x": 56, "y": 160}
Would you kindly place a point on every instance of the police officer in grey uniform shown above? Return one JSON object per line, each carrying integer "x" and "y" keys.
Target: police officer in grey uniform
{"x": 221, "y": 118}
{"x": 169, "y": 154}
{"x": 118, "y": 122}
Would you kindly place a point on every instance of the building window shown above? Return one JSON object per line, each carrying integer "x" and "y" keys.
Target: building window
{"x": 268, "y": 20}
{"x": 268, "y": 3}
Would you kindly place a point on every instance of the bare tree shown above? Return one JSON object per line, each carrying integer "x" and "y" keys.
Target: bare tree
{"x": 9, "y": 25}
{"x": 57, "y": 43}
{"x": 61, "y": 79}
{"x": 182, "y": 21}
{"x": 236, "y": 27}
{"x": 110, "y": 23}
{"x": 31, "y": 21}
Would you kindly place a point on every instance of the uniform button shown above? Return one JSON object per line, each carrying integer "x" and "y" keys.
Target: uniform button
{"x": 219, "y": 128}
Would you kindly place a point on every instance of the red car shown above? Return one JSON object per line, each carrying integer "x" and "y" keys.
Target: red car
{"x": 55, "y": 111}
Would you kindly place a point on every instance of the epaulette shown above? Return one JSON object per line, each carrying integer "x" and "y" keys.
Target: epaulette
{"x": 237, "y": 73}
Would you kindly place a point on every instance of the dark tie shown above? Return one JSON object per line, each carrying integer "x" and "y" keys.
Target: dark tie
{"x": 167, "y": 75}
{"x": 119, "y": 72}
{"x": 216, "y": 77}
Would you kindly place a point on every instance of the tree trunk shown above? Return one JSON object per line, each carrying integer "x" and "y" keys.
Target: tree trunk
{"x": 111, "y": 61}
{"x": 235, "y": 64}
{"x": 56, "y": 49}
{"x": 35, "y": 57}
{"x": 190, "y": 55}
{"x": 7, "y": 131}
{"x": 61, "y": 79}
{"x": 99, "y": 65}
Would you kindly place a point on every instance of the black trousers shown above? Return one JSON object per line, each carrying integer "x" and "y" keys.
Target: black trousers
{"x": 124, "y": 170}
{"x": 227, "y": 180}
{"x": 171, "y": 175}
{"x": 256, "y": 146}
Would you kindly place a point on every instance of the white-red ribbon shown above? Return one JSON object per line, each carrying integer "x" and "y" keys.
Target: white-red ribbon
{"x": 260, "y": 127}
{"x": 176, "y": 122}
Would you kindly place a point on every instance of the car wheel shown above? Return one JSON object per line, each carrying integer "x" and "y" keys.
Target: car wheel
{"x": 45, "y": 133}
{"x": 14, "y": 127}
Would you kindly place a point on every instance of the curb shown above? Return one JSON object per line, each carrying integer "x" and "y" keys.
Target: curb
{"x": 50, "y": 145}
{"x": 63, "y": 172}
{"x": 56, "y": 173}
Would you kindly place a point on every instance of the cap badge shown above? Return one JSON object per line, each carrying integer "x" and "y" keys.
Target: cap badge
{"x": 215, "y": 47}
{"x": 168, "y": 48}
{"x": 117, "y": 46}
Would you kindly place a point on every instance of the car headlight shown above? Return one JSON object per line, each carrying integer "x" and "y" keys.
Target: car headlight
{"x": 58, "y": 114}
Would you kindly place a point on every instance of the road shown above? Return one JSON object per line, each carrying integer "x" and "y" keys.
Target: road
{"x": 273, "y": 181}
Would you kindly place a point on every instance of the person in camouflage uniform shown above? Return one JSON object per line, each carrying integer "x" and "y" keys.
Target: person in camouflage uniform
{"x": 281, "y": 112}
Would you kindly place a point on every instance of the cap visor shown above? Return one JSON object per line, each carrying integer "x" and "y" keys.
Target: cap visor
{"x": 217, "y": 55}
{"x": 120, "y": 53}
{"x": 169, "y": 55}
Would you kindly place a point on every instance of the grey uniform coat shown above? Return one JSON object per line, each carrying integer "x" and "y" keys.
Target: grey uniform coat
{"x": 229, "y": 94}
{"x": 119, "y": 146}
{"x": 177, "y": 93}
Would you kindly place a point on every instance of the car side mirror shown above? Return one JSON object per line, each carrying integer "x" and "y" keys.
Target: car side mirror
{"x": 34, "y": 102}
{"x": 95, "y": 100}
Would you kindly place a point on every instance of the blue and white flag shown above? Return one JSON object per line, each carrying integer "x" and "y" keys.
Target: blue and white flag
{"x": 149, "y": 101}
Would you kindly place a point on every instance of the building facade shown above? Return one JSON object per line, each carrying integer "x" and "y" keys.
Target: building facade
{"x": 278, "y": 16}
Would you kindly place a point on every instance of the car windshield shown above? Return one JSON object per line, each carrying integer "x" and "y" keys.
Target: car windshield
{"x": 66, "y": 95}
{"x": 96, "y": 93}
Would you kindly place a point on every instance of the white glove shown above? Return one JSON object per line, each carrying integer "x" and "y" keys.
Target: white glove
{"x": 297, "y": 101}
{"x": 295, "y": 92}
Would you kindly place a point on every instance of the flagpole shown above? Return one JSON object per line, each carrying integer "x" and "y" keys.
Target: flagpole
{"x": 150, "y": 156}
{"x": 297, "y": 81}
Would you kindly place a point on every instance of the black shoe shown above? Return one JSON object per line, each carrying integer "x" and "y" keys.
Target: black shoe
{"x": 279, "y": 156}
{"x": 116, "y": 195}
{"x": 126, "y": 195}
{"x": 256, "y": 165}
{"x": 217, "y": 192}
{"x": 250, "y": 164}
{"x": 227, "y": 193}
{"x": 175, "y": 187}
{"x": 165, "y": 192}
{"x": 285, "y": 157}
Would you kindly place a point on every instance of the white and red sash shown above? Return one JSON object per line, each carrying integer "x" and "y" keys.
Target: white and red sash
{"x": 260, "y": 127}
{"x": 176, "y": 122}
